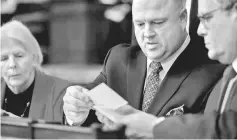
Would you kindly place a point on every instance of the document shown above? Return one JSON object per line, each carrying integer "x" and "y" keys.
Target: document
{"x": 107, "y": 101}
{"x": 5, "y": 113}
{"x": 104, "y": 96}
{"x": 109, "y": 113}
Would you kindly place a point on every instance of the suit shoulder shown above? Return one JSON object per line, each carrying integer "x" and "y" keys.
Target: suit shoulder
{"x": 120, "y": 48}
{"x": 209, "y": 72}
{"x": 214, "y": 67}
{"x": 55, "y": 81}
{"x": 123, "y": 51}
{"x": 60, "y": 83}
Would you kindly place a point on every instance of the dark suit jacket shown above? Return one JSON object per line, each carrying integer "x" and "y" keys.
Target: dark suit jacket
{"x": 188, "y": 82}
{"x": 208, "y": 125}
{"x": 47, "y": 97}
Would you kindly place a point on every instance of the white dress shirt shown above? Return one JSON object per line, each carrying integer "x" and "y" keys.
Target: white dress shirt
{"x": 234, "y": 64}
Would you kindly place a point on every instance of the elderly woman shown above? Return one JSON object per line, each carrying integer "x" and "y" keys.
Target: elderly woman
{"x": 25, "y": 90}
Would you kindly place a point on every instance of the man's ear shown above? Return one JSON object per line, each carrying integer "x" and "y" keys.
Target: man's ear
{"x": 184, "y": 17}
{"x": 34, "y": 58}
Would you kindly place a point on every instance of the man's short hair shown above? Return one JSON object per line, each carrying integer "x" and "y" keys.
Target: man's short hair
{"x": 226, "y": 4}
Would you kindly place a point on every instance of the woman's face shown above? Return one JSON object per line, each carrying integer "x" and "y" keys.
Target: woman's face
{"x": 16, "y": 64}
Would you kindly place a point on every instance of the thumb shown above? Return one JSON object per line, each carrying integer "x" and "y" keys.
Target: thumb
{"x": 80, "y": 88}
{"x": 84, "y": 90}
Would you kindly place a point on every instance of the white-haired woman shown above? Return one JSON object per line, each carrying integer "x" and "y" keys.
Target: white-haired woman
{"x": 25, "y": 90}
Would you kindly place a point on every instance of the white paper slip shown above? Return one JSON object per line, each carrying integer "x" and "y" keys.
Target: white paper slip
{"x": 109, "y": 113}
{"x": 102, "y": 95}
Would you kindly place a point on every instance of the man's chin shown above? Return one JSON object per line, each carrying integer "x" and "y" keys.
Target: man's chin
{"x": 155, "y": 57}
{"x": 213, "y": 55}
{"x": 225, "y": 62}
{"x": 220, "y": 57}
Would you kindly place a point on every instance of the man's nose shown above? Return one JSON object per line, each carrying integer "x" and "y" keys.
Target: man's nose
{"x": 149, "y": 31}
{"x": 201, "y": 30}
{"x": 12, "y": 62}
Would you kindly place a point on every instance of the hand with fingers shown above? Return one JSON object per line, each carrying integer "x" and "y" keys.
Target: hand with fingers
{"x": 109, "y": 124}
{"x": 76, "y": 105}
{"x": 5, "y": 113}
{"x": 140, "y": 124}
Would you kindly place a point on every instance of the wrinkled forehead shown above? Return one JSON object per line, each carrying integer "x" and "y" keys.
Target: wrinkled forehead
{"x": 205, "y": 6}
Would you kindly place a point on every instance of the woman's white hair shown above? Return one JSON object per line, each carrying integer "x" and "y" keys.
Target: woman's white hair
{"x": 15, "y": 30}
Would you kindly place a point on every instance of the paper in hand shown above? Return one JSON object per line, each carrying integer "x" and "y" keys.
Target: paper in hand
{"x": 105, "y": 97}
{"x": 9, "y": 114}
{"x": 109, "y": 113}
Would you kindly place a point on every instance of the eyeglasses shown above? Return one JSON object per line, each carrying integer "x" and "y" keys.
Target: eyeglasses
{"x": 207, "y": 16}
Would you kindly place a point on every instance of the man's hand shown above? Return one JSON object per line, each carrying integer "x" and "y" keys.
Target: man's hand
{"x": 5, "y": 113}
{"x": 109, "y": 124}
{"x": 76, "y": 104}
{"x": 140, "y": 124}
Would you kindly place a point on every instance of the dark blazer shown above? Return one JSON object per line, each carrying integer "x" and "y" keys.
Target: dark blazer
{"x": 47, "y": 97}
{"x": 208, "y": 125}
{"x": 188, "y": 82}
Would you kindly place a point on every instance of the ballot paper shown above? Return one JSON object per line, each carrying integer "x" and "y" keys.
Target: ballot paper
{"x": 107, "y": 101}
{"x": 104, "y": 96}
{"x": 5, "y": 113}
{"x": 109, "y": 113}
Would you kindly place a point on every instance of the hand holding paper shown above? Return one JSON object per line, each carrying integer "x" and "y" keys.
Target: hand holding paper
{"x": 106, "y": 101}
{"x": 5, "y": 113}
{"x": 76, "y": 105}
{"x": 105, "y": 97}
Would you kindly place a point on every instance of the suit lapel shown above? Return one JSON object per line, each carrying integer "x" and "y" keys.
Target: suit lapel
{"x": 232, "y": 99}
{"x": 228, "y": 74}
{"x": 168, "y": 88}
{"x": 178, "y": 72}
{"x": 3, "y": 87}
{"x": 213, "y": 99}
{"x": 41, "y": 90}
{"x": 135, "y": 79}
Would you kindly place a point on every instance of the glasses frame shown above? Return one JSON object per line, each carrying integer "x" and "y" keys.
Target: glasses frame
{"x": 204, "y": 18}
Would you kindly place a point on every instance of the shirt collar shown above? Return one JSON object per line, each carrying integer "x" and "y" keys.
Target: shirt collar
{"x": 169, "y": 62}
{"x": 234, "y": 64}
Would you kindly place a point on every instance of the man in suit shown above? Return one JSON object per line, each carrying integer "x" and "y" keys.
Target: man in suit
{"x": 165, "y": 71}
{"x": 218, "y": 26}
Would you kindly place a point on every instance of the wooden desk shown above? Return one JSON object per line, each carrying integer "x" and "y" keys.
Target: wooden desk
{"x": 22, "y": 128}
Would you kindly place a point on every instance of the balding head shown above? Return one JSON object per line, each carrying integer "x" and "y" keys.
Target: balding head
{"x": 159, "y": 4}
{"x": 160, "y": 26}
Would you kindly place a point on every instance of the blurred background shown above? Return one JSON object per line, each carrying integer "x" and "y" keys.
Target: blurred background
{"x": 74, "y": 35}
